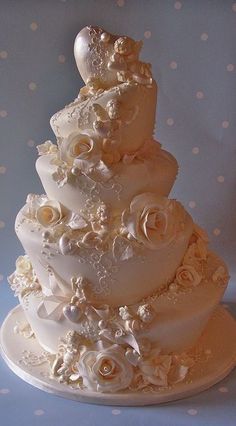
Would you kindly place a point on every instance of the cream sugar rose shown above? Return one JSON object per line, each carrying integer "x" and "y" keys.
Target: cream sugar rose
{"x": 117, "y": 282}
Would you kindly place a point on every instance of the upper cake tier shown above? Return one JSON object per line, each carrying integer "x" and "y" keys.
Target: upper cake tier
{"x": 119, "y": 100}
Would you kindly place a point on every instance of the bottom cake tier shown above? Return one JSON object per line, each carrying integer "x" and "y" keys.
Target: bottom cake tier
{"x": 214, "y": 358}
{"x": 107, "y": 349}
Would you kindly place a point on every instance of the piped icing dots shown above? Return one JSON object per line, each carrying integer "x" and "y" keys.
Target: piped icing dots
{"x": 216, "y": 232}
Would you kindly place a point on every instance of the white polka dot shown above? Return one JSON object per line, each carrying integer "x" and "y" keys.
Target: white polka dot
{"x": 33, "y": 26}
{"x": 2, "y": 224}
{"x": 116, "y": 412}
{"x": 32, "y": 86}
{"x": 192, "y": 412}
{"x": 230, "y": 67}
{"x": 31, "y": 143}
{"x": 173, "y": 65}
{"x": 225, "y": 124}
{"x": 170, "y": 121}
{"x": 4, "y": 391}
{"x": 147, "y": 34}
{"x": 216, "y": 232}
{"x": 3, "y": 54}
{"x": 192, "y": 204}
{"x": 199, "y": 95}
{"x": 61, "y": 59}
{"x": 204, "y": 36}
{"x": 234, "y": 7}
{"x": 3, "y": 113}
{"x": 2, "y": 170}
{"x": 223, "y": 389}
{"x": 195, "y": 150}
{"x": 220, "y": 179}
{"x": 1, "y": 277}
{"x": 177, "y": 5}
{"x": 120, "y": 3}
{"x": 38, "y": 412}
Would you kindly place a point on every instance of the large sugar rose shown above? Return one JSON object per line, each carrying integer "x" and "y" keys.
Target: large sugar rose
{"x": 107, "y": 370}
{"x": 187, "y": 276}
{"x": 80, "y": 150}
{"x": 23, "y": 265}
{"x": 50, "y": 213}
{"x": 153, "y": 219}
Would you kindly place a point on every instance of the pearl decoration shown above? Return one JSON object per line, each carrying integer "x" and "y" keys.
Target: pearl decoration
{"x": 105, "y": 37}
{"x": 46, "y": 234}
{"x": 75, "y": 171}
{"x": 102, "y": 324}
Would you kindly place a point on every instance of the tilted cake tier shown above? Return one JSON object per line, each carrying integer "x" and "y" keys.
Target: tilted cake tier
{"x": 175, "y": 316}
{"x": 115, "y": 272}
{"x": 155, "y": 172}
{"x": 122, "y": 264}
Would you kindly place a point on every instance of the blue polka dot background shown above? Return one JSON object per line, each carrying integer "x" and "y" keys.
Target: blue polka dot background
{"x": 191, "y": 45}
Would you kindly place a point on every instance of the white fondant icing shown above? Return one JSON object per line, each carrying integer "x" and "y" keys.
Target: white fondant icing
{"x": 115, "y": 273}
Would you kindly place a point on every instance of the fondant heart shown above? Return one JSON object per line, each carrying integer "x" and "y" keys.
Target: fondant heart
{"x": 72, "y": 312}
{"x": 92, "y": 49}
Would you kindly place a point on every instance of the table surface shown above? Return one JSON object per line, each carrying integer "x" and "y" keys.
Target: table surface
{"x": 21, "y": 404}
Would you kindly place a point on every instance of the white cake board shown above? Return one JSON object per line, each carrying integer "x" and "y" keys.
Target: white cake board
{"x": 26, "y": 358}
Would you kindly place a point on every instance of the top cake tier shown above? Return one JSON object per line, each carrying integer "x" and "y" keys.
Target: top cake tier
{"x": 118, "y": 102}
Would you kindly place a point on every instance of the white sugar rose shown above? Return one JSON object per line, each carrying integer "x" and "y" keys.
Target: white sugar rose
{"x": 107, "y": 370}
{"x": 80, "y": 150}
{"x": 23, "y": 265}
{"x": 187, "y": 276}
{"x": 49, "y": 214}
{"x": 153, "y": 219}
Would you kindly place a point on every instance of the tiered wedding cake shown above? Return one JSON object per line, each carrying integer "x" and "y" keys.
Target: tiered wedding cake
{"x": 117, "y": 281}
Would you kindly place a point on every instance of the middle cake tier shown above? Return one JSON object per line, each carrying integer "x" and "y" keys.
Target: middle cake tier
{"x": 125, "y": 254}
{"x": 153, "y": 171}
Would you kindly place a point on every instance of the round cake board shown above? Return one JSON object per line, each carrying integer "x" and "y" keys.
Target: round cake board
{"x": 28, "y": 360}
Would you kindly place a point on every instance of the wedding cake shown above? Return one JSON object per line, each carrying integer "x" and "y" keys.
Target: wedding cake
{"x": 117, "y": 282}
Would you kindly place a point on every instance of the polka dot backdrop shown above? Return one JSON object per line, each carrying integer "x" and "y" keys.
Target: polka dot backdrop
{"x": 191, "y": 47}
